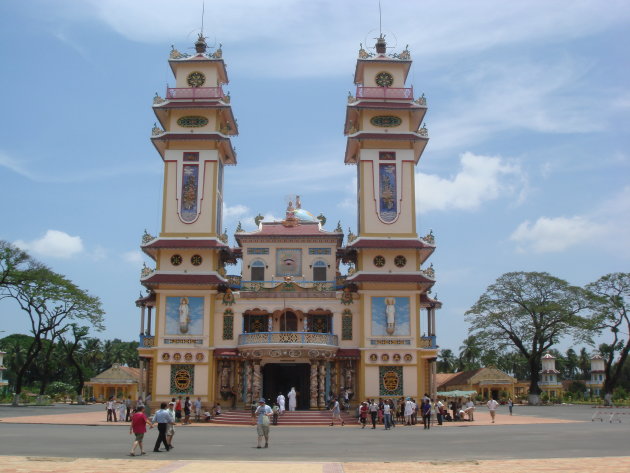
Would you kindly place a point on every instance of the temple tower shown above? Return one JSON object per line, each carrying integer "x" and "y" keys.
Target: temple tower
{"x": 193, "y": 139}
{"x": 386, "y": 138}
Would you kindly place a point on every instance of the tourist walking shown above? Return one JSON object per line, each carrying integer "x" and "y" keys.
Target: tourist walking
{"x": 409, "y": 408}
{"x": 373, "y": 412}
{"x": 510, "y": 404}
{"x": 336, "y": 413}
{"x": 363, "y": 413}
{"x": 170, "y": 428}
{"x": 470, "y": 410}
{"x": 439, "y": 411}
{"x": 163, "y": 418}
{"x": 187, "y": 410}
{"x": 281, "y": 400}
{"x": 292, "y": 399}
{"x": 178, "y": 409}
{"x": 262, "y": 414}
{"x": 138, "y": 427}
{"x": 492, "y": 407}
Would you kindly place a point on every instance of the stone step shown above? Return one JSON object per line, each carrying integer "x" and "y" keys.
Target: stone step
{"x": 244, "y": 417}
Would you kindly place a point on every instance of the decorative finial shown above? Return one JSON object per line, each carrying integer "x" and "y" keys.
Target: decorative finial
{"x": 200, "y": 44}
{"x": 322, "y": 219}
{"x": 338, "y": 229}
{"x": 239, "y": 227}
{"x": 298, "y": 202}
{"x": 259, "y": 218}
{"x": 381, "y": 45}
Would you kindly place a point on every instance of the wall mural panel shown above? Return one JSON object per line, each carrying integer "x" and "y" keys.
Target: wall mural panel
{"x": 184, "y": 315}
{"x": 390, "y": 316}
{"x": 189, "y": 206}
{"x": 388, "y": 197}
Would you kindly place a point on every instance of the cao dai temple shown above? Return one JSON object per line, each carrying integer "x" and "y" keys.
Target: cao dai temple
{"x": 290, "y": 319}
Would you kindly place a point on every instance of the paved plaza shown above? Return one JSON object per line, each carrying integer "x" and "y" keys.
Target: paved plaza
{"x": 559, "y": 438}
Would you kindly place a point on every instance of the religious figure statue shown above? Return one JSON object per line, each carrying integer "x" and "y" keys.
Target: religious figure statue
{"x": 292, "y": 399}
{"x": 390, "y": 310}
{"x": 225, "y": 377}
{"x": 184, "y": 315}
{"x": 348, "y": 376}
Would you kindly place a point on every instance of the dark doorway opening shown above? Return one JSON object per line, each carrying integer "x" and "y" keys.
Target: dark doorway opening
{"x": 281, "y": 377}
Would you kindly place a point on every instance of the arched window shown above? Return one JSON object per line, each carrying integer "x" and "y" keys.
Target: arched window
{"x": 258, "y": 270}
{"x": 319, "y": 271}
{"x": 288, "y": 321}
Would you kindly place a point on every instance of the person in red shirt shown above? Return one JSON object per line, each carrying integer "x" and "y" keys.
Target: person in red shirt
{"x": 138, "y": 427}
{"x": 363, "y": 413}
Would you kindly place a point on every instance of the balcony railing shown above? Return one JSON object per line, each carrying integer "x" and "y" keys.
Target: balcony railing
{"x": 261, "y": 286}
{"x": 290, "y": 338}
{"x": 192, "y": 93}
{"x": 387, "y": 93}
{"x": 427, "y": 342}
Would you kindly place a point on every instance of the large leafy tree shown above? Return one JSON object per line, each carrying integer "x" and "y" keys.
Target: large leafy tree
{"x": 612, "y": 293}
{"x": 51, "y": 301}
{"x": 529, "y": 312}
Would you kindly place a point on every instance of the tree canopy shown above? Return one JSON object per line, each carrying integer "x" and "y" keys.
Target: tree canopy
{"x": 530, "y": 312}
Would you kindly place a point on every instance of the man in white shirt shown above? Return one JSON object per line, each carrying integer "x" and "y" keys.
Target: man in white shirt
{"x": 470, "y": 410}
{"x": 492, "y": 407}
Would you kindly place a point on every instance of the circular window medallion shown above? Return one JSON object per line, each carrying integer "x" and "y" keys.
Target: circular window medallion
{"x": 176, "y": 260}
{"x": 177, "y": 356}
{"x": 400, "y": 261}
{"x": 193, "y": 121}
{"x": 385, "y": 121}
{"x": 166, "y": 356}
{"x": 373, "y": 357}
{"x": 396, "y": 357}
{"x": 196, "y": 79}
{"x": 196, "y": 260}
{"x": 188, "y": 357}
{"x": 199, "y": 357}
{"x": 384, "y": 79}
{"x": 408, "y": 357}
{"x": 379, "y": 261}
{"x": 385, "y": 357}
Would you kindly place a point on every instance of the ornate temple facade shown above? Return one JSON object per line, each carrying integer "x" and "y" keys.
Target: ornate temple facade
{"x": 291, "y": 318}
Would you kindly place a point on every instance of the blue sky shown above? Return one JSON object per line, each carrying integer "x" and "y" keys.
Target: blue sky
{"x": 527, "y": 168}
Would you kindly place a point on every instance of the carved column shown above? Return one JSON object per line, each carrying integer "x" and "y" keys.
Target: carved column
{"x": 149, "y": 322}
{"x": 250, "y": 375}
{"x": 257, "y": 387}
{"x": 432, "y": 321}
{"x": 239, "y": 382}
{"x": 305, "y": 322}
{"x": 333, "y": 378}
{"x": 142, "y": 309}
{"x": 322, "y": 384}
{"x": 270, "y": 323}
{"x": 313, "y": 384}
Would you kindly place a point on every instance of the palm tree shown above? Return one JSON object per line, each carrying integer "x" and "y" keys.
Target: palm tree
{"x": 446, "y": 361}
{"x": 470, "y": 354}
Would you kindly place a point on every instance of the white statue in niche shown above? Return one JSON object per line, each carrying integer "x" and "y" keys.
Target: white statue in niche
{"x": 184, "y": 315}
{"x": 390, "y": 311}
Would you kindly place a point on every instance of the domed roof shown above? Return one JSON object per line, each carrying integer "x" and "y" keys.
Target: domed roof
{"x": 304, "y": 215}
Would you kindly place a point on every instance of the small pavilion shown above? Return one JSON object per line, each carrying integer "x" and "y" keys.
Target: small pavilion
{"x": 118, "y": 382}
{"x": 488, "y": 382}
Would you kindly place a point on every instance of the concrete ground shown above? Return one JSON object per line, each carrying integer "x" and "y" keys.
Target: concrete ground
{"x": 538, "y": 439}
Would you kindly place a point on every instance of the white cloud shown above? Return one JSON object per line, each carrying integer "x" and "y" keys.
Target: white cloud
{"x": 480, "y": 179}
{"x": 551, "y": 235}
{"x": 234, "y": 212}
{"x": 134, "y": 257}
{"x": 54, "y": 244}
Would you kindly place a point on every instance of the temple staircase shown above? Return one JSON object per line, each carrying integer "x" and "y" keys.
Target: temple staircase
{"x": 292, "y": 418}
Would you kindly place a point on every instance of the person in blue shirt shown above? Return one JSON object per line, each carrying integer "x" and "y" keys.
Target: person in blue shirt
{"x": 163, "y": 418}
{"x": 262, "y": 414}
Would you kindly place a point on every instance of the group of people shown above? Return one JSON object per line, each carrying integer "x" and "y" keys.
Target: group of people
{"x": 404, "y": 412}
{"x": 121, "y": 410}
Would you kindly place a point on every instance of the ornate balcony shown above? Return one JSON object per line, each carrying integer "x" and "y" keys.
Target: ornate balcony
{"x": 288, "y": 338}
{"x": 147, "y": 341}
{"x": 384, "y": 93}
{"x": 193, "y": 93}
{"x": 292, "y": 285}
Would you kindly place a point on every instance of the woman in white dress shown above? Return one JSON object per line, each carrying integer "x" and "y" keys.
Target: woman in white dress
{"x": 292, "y": 399}
{"x": 281, "y": 403}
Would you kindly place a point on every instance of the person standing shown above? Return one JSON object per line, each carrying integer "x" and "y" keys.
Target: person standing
{"x": 275, "y": 410}
{"x": 492, "y": 407}
{"x": 470, "y": 410}
{"x": 138, "y": 427}
{"x": 281, "y": 403}
{"x": 178, "y": 409}
{"x": 163, "y": 418}
{"x": 409, "y": 408}
{"x": 426, "y": 413}
{"x": 336, "y": 413}
{"x": 387, "y": 415}
{"x": 121, "y": 410}
{"x": 510, "y": 405}
{"x": 262, "y": 414}
{"x": 292, "y": 399}
{"x": 439, "y": 411}
{"x": 373, "y": 412}
{"x": 187, "y": 410}
{"x": 198, "y": 410}
{"x": 128, "y": 406}
{"x": 111, "y": 410}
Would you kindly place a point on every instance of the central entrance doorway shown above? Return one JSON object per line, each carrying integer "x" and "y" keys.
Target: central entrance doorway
{"x": 281, "y": 377}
